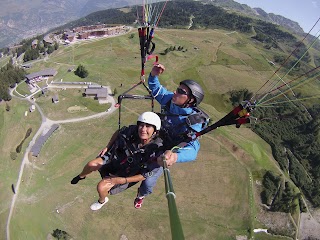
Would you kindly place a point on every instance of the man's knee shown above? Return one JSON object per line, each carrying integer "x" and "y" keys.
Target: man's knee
{"x": 149, "y": 183}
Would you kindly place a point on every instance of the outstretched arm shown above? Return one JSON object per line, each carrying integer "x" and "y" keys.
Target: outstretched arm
{"x": 161, "y": 94}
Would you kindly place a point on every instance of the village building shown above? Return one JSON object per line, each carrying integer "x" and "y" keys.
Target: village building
{"x": 69, "y": 36}
{"x": 55, "y": 99}
{"x": 37, "y": 76}
{"x": 26, "y": 66}
{"x": 85, "y": 32}
{"x": 44, "y": 90}
{"x": 34, "y": 43}
{"x": 84, "y": 35}
{"x": 41, "y": 140}
{"x": 97, "y": 92}
{"x": 32, "y": 108}
{"x": 48, "y": 39}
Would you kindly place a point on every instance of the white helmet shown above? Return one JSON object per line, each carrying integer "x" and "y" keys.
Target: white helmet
{"x": 150, "y": 118}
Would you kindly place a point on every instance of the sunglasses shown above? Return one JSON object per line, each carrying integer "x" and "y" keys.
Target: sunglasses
{"x": 181, "y": 91}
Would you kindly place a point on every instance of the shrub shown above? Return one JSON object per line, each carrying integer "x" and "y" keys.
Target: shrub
{"x": 29, "y": 131}
{"x": 13, "y": 155}
{"x": 19, "y": 147}
{"x": 60, "y": 234}
{"x": 81, "y": 71}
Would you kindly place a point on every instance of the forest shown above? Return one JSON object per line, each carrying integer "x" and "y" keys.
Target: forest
{"x": 10, "y": 75}
{"x": 293, "y": 134}
{"x": 292, "y": 130}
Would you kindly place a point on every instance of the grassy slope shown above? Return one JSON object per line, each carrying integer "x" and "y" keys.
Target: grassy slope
{"x": 13, "y": 125}
{"x": 215, "y": 197}
{"x": 4, "y": 61}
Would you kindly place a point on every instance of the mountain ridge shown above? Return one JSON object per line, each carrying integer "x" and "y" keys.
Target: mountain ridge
{"x": 43, "y": 15}
{"x": 17, "y": 25}
{"x": 259, "y": 13}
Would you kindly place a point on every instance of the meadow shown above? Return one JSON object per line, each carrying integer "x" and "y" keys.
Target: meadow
{"x": 217, "y": 195}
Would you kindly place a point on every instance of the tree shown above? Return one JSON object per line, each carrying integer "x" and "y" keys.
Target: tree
{"x": 31, "y": 54}
{"x": 56, "y": 46}
{"x": 237, "y": 96}
{"x": 60, "y": 234}
{"x": 270, "y": 183}
{"x": 50, "y": 49}
{"x": 7, "y": 107}
{"x": 81, "y": 71}
{"x": 42, "y": 49}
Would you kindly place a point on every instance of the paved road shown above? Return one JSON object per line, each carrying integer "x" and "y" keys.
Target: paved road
{"x": 46, "y": 124}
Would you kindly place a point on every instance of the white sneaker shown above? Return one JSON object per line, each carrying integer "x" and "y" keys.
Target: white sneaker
{"x": 96, "y": 206}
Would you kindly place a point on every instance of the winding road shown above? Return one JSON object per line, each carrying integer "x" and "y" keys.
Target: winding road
{"x": 46, "y": 124}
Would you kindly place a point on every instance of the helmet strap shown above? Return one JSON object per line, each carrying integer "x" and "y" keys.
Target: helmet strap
{"x": 188, "y": 103}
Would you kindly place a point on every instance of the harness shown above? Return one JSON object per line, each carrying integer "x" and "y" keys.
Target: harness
{"x": 126, "y": 158}
{"x": 198, "y": 116}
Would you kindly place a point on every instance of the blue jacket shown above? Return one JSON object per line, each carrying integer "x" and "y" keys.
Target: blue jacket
{"x": 175, "y": 120}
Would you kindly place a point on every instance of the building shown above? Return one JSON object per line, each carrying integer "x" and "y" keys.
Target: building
{"x": 32, "y": 108}
{"x": 44, "y": 90}
{"x": 27, "y": 66}
{"x": 49, "y": 72}
{"x": 34, "y": 43}
{"x": 41, "y": 140}
{"x": 85, "y": 32}
{"x": 55, "y": 99}
{"x": 48, "y": 39}
{"x": 84, "y": 35}
{"x": 70, "y": 36}
{"x": 97, "y": 92}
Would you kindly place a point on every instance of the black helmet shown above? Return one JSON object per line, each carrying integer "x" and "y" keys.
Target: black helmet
{"x": 195, "y": 88}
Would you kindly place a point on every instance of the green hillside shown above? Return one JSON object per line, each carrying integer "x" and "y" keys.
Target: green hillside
{"x": 218, "y": 196}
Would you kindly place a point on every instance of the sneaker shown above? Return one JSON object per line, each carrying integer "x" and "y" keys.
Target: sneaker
{"x": 138, "y": 202}
{"x": 76, "y": 179}
{"x": 97, "y": 205}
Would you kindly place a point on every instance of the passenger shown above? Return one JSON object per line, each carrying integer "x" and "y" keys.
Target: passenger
{"x": 130, "y": 157}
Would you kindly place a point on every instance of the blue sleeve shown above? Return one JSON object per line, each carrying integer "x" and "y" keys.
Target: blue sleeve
{"x": 189, "y": 152}
{"x": 160, "y": 93}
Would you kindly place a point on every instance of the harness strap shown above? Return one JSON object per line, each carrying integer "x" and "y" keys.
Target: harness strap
{"x": 142, "y": 36}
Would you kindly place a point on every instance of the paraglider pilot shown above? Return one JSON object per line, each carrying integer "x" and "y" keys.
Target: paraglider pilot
{"x": 180, "y": 115}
